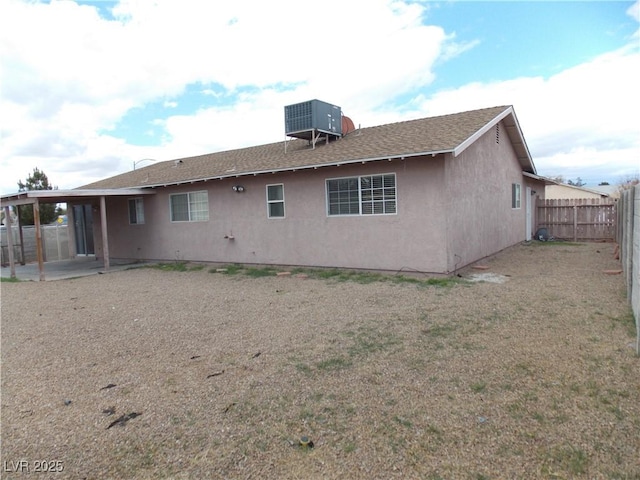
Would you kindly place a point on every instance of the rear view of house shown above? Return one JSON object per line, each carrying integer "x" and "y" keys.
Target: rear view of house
{"x": 429, "y": 195}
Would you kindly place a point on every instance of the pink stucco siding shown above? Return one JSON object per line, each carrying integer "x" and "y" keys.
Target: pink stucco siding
{"x": 414, "y": 238}
{"x": 480, "y": 217}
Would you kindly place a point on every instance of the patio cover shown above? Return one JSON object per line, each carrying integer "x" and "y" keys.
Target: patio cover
{"x": 36, "y": 197}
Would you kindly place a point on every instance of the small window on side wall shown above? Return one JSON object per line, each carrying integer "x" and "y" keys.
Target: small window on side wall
{"x": 515, "y": 195}
{"x": 275, "y": 201}
{"x": 136, "y": 211}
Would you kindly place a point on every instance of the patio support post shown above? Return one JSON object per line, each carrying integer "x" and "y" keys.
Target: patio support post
{"x": 105, "y": 237}
{"x": 36, "y": 222}
{"x": 7, "y": 221}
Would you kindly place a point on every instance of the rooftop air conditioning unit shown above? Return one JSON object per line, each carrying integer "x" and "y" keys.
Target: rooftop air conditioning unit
{"x": 303, "y": 119}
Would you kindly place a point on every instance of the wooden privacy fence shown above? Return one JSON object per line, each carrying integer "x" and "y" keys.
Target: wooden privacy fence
{"x": 582, "y": 219}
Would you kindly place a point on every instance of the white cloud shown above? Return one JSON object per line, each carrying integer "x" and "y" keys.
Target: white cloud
{"x": 583, "y": 117}
{"x": 454, "y": 49}
{"x": 80, "y": 75}
{"x": 634, "y": 11}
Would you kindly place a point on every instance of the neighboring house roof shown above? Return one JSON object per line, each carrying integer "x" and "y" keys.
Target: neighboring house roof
{"x": 611, "y": 190}
{"x": 578, "y": 190}
{"x": 428, "y": 136}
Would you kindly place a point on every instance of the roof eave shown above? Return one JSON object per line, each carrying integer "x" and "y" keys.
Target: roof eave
{"x": 63, "y": 196}
{"x": 545, "y": 180}
{"x": 296, "y": 168}
{"x": 516, "y": 137}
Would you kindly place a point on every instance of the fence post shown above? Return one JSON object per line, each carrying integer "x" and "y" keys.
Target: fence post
{"x": 634, "y": 198}
{"x": 575, "y": 223}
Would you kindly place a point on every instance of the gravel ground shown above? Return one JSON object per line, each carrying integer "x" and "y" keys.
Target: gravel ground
{"x": 534, "y": 377}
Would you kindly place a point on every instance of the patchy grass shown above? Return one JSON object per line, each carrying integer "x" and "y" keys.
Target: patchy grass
{"x": 367, "y": 341}
{"x": 349, "y": 447}
{"x": 566, "y": 458}
{"x": 363, "y": 277}
{"x": 10, "y": 280}
{"x": 402, "y": 421}
{"x": 521, "y": 380}
{"x": 173, "y": 267}
{"x": 303, "y": 368}
{"x": 232, "y": 269}
{"x": 177, "y": 267}
{"x": 479, "y": 387}
{"x": 338, "y": 275}
{"x": 626, "y": 321}
{"x": 440, "y": 330}
{"x": 333, "y": 363}
{"x": 260, "y": 272}
{"x": 351, "y": 351}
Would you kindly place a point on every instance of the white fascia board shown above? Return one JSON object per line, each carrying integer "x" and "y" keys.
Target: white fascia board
{"x": 304, "y": 167}
{"x": 488, "y": 126}
{"x": 33, "y": 196}
{"x": 523, "y": 141}
{"x": 108, "y": 192}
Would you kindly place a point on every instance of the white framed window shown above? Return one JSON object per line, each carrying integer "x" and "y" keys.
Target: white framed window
{"x": 515, "y": 195}
{"x": 275, "y": 201}
{"x": 363, "y": 195}
{"x": 136, "y": 211}
{"x": 189, "y": 207}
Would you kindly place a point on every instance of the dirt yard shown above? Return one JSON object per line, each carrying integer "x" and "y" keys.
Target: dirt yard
{"x": 531, "y": 378}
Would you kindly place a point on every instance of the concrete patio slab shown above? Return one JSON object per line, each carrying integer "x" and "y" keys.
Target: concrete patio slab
{"x": 64, "y": 269}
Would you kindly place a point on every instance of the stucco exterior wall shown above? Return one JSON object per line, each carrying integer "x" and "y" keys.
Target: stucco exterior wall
{"x": 451, "y": 211}
{"x": 414, "y": 238}
{"x": 480, "y": 219}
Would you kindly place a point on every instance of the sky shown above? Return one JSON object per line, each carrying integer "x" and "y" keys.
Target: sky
{"x": 90, "y": 88}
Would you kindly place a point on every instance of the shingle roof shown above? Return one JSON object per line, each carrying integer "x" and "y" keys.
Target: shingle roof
{"x": 447, "y": 133}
